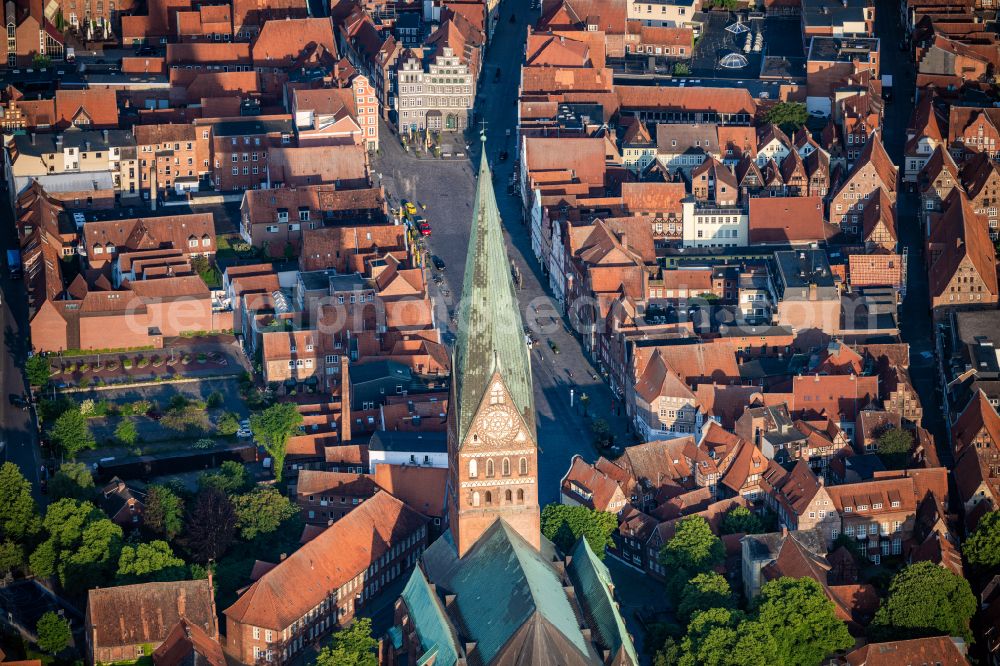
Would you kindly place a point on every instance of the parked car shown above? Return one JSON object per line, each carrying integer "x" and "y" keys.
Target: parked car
{"x": 438, "y": 262}
{"x": 425, "y": 227}
{"x": 410, "y": 208}
{"x": 554, "y": 347}
{"x": 18, "y": 401}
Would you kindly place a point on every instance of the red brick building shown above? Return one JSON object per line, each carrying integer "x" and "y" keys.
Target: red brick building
{"x": 873, "y": 170}
{"x": 321, "y": 586}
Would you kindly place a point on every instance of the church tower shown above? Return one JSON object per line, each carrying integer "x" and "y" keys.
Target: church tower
{"x": 492, "y": 447}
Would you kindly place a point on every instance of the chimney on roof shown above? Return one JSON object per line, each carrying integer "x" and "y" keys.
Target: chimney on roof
{"x": 32, "y": 138}
{"x": 87, "y": 144}
{"x": 105, "y": 134}
{"x": 784, "y": 531}
{"x": 283, "y": 557}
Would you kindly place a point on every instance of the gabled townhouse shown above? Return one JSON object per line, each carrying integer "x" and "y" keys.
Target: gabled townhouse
{"x": 873, "y": 170}
{"x": 980, "y": 178}
{"x": 772, "y": 144}
{"x": 664, "y": 405}
{"x": 961, "y": 259}
{"x": 427, "y": 97}
{"x": 590, "y": 485}
{"x": 637, "y": 148}
{"x": 937, "y": 179}
{"x": 681, "y": 147}
{"x": 926, "y": 132}
{"x": 801, "y": 500}
{"x": 878, "y": 226}
{"x": 973, "y": 130}
{"x": 713, "y": 181}
{"x": 374, "y": 54}
{"x": 976, "y": 443}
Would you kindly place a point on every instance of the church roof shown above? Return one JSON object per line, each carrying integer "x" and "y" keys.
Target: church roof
{"x": 509, "y": 600}
{"x": 490, "y": 333}
{"x": 593, "y": 585}
{"x": 435, "y": 633}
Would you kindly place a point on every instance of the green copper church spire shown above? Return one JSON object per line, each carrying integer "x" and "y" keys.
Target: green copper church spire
{"x": 490, "y": 329}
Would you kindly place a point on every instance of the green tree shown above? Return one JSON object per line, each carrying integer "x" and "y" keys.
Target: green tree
{"x": 126, "y": 432}
{"x": 692, "y": 549}
{"x": 154, "y": 561}
{"x": 73, "y": 480}
{"x": 982, "y": 549}
{"x": 71, "y": 432}
{"x": 164, "y": 512}
{"x": 39, "y": 370}
{"x": 802, "y": 620}
{"x": 741, "y": 520}
{"x": 53, "y": 632}
{"x": 272, "y": 428}
{"x": 724, "y": 637}
{"x": 925, "y": 600}
{"x": 11, "y": 557}
{"x": 82, "y": 547}
{"x": 563, "y": 525}
{"x": 18, "y": 513}
{"x": 227, "y": 425}
{"x": 704, "y": 591}
{"x": 790, "y": 116}
{"x": 893, "y": 447}
{"x": 681, "y": 69}
{"x": 352, "y": 646}
{"x": 603, "y": 437}
{"x": 214, "y": 400}
{"x": 231, "y": 478}
{"x": 210, "y": 525}
{"x": 261, "y": 511}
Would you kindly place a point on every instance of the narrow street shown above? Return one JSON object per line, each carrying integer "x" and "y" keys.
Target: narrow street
{"x": 916, "y": 324}
{"x": 446, "y": 188}
{"x": 17, "y": 427}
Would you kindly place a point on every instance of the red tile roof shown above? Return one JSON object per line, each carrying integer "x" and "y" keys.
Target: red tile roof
{"x": 318, "y": 569}
{"x": 421, "y": 488}
{"x": 786, "y": 220}
{"x": 937, "y": 650}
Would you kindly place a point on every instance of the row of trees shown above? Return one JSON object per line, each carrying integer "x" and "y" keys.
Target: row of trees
{"x": 791, "y": 621}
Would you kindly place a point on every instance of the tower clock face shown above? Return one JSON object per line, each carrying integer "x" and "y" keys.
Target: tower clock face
{"x": 498, "y": 424}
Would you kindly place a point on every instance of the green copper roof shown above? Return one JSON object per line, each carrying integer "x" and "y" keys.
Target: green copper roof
{"x": 490, "y": 329}
{"x": 592, "y": 582}
{"x": 428, "y": 616}
{"x": 503, "y": 584}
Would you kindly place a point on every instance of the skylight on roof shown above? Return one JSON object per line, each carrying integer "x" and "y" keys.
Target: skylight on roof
{"x": 733, "y": 61}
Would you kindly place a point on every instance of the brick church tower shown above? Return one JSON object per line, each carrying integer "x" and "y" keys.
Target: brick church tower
{"x": 492, "y": 446}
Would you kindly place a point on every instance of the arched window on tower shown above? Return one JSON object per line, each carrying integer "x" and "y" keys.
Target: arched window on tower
{"x": 489, "y": 468}
{"x": 508, "y": 496}
{"x": 475, "y": 499}
{"x": 473, "y": 469}
{"x": 522, "y": 467}
{"x": 520, "y": 496}
{"x": 505, "y": 467}
{"x": 489, "y": 498}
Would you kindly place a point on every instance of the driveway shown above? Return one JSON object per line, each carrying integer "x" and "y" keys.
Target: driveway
{"x": 446, "y": 188}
